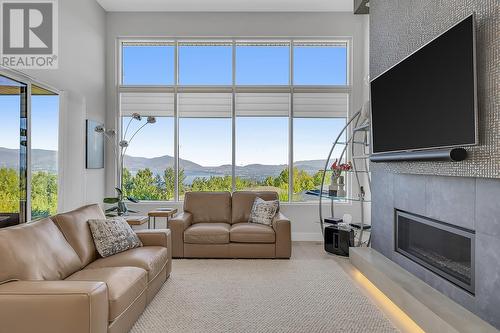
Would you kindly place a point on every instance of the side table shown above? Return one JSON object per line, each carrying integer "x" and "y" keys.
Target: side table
{"x": 136, "y": 220}
{"x": 160, "y": 213}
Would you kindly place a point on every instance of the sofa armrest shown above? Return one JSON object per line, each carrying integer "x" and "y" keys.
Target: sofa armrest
{"x": 177, "y": 226}
{"x": 54, "y": 307}
{"x": 157, "y": 237}
{"x": 282, "y": 228}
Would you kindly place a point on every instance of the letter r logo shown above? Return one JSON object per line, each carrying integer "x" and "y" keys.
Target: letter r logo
{"x": 27, "y": 27}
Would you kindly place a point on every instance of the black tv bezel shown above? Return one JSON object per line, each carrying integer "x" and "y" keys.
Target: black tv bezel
{"x": 476, "y": 110}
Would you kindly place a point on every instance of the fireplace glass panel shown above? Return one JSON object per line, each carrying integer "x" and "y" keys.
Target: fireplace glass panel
{"x": 444, "y": 249}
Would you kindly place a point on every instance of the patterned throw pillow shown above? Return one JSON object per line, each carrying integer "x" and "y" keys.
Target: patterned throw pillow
{"x": 263, "y": 212}
{"x": 113, "y": 236}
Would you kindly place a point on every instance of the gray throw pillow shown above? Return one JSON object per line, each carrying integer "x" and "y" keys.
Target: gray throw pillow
{"x": 263, "y": 212}
{"x": 112, "y": 236}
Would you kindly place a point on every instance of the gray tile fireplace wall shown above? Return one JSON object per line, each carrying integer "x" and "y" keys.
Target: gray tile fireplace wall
{"x": 448, "y": 192}
{"x": 472, "y": 203}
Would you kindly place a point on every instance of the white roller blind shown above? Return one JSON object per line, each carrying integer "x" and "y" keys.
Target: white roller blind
{"x": 205, "y": 105}
{"x": 147, "y": 104}
{"x": 262, "y": 104}
{"x": 320, "y": 105}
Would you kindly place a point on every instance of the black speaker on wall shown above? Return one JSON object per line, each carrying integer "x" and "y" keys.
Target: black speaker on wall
{"x": 451, "y": 154}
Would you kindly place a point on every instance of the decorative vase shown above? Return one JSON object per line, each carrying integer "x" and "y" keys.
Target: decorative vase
{"x": 334, "y": 186}
{"x": 340, "y": 187}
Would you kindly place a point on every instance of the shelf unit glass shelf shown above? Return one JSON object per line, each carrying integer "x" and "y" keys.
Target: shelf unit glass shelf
{"x": 325, "y": 195}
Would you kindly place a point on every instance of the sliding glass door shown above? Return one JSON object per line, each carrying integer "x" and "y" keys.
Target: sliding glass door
{"x": 13, "y": 152}
{"x": 29, "y": 143}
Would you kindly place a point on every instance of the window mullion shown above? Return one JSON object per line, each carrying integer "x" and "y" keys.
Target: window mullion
{"x": 233, "y": 119}
{"x": 176, "y": 122}
{"x": 28, "y": 153}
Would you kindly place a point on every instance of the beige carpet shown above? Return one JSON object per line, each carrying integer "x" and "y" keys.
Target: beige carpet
{"x": 297, "y": 295}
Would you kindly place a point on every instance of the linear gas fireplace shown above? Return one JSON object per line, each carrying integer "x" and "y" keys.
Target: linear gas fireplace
{"x": 442, "y": 248}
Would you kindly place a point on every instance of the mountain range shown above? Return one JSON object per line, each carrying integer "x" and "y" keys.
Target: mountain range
{"x": 46, "y": 160}
{"x": 42, "y": 160}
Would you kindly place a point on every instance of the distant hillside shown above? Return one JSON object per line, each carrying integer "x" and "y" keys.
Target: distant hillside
{"x": 191, "y": 169}
{"x": 47, "y": 160}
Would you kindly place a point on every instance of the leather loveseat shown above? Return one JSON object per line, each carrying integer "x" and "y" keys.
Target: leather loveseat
{"x": 52, "y": 279}
{"x": 215, "y": 225}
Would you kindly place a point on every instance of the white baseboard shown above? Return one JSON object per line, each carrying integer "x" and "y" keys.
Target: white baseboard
{"x": 306, "y": 236}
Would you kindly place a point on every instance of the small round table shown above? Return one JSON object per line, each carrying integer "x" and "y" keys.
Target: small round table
{"x": 160, "y": 213}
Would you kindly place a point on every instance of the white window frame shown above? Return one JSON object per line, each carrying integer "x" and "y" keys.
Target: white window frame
{"x": 233, "y": 88}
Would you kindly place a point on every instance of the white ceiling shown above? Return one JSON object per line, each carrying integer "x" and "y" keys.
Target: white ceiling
{"x": 227, "y": 5}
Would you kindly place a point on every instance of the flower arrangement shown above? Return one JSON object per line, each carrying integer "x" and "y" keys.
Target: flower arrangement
{"x": 337, "y": 168}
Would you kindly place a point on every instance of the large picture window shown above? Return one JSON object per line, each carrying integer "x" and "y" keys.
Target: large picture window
{"x": 232, "y": 115}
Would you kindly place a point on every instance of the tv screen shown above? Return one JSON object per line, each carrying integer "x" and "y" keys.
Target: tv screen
{"x": 428, "y": 100}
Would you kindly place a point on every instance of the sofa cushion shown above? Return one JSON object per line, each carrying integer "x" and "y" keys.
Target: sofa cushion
{"x": 207, "y": 233}
{"x": 75, "y": 228}
{"x": 251, "y": 233}
{"x": 112, "y": 236}
{"x": 208, "y": 206}
{"x": 150, "y": 258}
{"x": 242, "y": 203}
{"x": 36, "y": 251}
{"x": 125, "y": 284}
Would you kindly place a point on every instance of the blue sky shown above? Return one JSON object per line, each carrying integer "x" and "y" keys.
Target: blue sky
{"x": 154, "y": 65}
{"x": 44, "y": 122}
{"x": 261, "y": 140}
{"x": 208, "y": 141}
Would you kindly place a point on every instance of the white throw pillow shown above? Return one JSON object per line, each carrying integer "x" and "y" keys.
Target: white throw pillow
{"x": 112, "y": 236}
{"x": 263, "y": 212}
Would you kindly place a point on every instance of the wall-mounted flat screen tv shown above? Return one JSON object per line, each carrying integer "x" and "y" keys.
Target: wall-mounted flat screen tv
{"x": 428, "y": 100}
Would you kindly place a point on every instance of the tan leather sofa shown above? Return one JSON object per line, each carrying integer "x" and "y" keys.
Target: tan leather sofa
{"x": 215, "y": 225}
{"x": 52, "y": 279}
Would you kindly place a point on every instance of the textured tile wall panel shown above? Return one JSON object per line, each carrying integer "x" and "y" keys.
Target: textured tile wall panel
{"x": 399, "y": 27}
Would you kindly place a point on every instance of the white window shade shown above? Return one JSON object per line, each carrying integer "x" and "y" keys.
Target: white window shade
{"x": 147, "y": 104}
{"x": 262, "y": 104}
{"x": 205, "y": 105}
{"x": 320, "y": 105}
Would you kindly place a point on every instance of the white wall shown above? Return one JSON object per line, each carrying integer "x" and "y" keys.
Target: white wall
{"x": 242, "y": 25}
{"x": 81, "y": 75}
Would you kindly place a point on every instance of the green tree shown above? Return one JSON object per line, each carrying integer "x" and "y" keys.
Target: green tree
{"x": 214, "y": 183}
{"x": 128, "y": 182}
{"x": 145, "y": 186}
{"x": 302, "y": 181}
{"x": 43, "y": 194}
{"x": 169, "y": 183}
{"x": 9, "y": 190}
